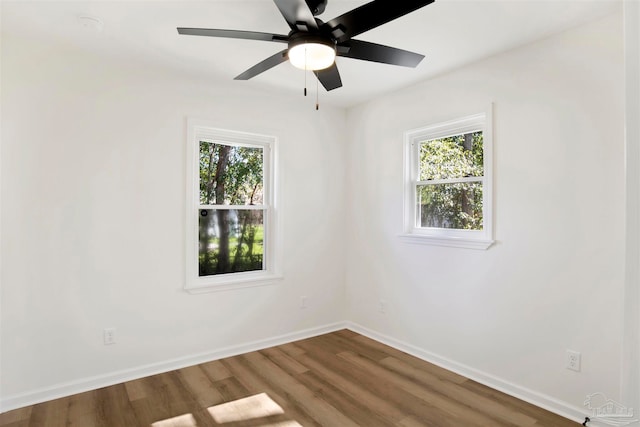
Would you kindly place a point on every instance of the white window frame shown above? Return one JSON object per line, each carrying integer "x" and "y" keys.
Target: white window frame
{"x": 197, "y": 131}
{"x": 473, "y": 239}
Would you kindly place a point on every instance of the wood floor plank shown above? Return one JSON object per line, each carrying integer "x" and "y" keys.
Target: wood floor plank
{"x": 21, "y": 423}
{"x": 113, "y": 407}
{"x": 50, "y": 414}
{"x": 380, "y": 406}
{"x": 255, "y": 384}
{"x": 453, "y": 408}
{"x": 453, "y": 391}
{"x": 346, "y": 333}
{"x": 147, "y": 412}
{"x": 82, "y": 410}
{"x": 175, "y": 396}
{"x": 203, "y": 390}
{"x": 342, "y": 344}
{"x": 411, "y": 422}
{"x": 179, "y": 402}
{"x": 16, "y": 416}
{"x": 216, "y": 370}
{"x": 337, "y": 379}
{"x": 230, "y": 389}
{"x": 411, "y": 360}
{"x": 292, "y": 349}
{"x": 319, "y": 409}
{"x": 544, "y": 418}
{"x": 403, "y": 401}
{"x": 136, "y": 389}
{"x": 284, "y": 361}
{"x": 353, "y": 408}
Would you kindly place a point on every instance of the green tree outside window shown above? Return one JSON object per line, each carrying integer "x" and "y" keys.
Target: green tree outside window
{"x": 231, "y": 220}
{"x": 449, "y": 191}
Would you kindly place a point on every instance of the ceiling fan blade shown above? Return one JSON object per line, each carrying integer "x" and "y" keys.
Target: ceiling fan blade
{"x": 234, "y": 34}
{"x": 263, "y": 66}
{"x": 297, "y": 14}
{"x": 370, "y": 15}
{"x": 367, "y": 51}
{"x": 329, "y": 77}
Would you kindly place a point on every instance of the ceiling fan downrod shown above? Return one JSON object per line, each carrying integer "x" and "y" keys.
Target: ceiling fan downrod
{"x": 317, "y": 7}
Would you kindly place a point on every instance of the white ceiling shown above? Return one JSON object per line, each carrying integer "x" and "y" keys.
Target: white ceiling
{"x": 450, "y": 33}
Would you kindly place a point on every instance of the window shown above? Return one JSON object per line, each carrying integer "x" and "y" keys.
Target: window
{"x": 448, "y": 183}
{"x": 231, "y": 227}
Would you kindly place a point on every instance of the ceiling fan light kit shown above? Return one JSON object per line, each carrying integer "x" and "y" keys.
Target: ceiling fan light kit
{"x": 313, "y": 44}
{"x": 309, "y": 52}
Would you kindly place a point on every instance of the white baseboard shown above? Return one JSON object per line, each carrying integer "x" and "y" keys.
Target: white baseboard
{"x": 67, "y": 389}
{"x": 538, "y": 399}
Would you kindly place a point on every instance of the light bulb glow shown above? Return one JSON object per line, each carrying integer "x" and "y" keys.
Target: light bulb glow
{"x": 312, "y": 56}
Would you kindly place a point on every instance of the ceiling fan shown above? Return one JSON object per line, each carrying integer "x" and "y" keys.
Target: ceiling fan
{"x": 313, "y": 44}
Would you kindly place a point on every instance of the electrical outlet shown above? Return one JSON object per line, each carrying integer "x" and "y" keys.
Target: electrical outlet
{"x": 573, "y": 360}
{"x": 303, "y": 302}
{"x": 109, "y": 336}
{"x": 383, "y": 306}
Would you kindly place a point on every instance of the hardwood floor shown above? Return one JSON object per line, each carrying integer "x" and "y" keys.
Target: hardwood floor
{"x": 340, "y": 379}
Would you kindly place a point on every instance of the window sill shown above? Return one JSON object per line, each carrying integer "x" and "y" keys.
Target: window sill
{"x": 226, "y": 284}
{"x": 450, "y": 241}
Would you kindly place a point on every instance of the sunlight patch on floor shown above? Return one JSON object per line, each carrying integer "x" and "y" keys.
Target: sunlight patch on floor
{"x": 248, "y": 408}
{"x": 282, "y": 424}
{"x": 185, "y": 420}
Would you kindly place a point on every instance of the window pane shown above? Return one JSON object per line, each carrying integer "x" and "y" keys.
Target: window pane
{"x": 230, "y": 175}
{"x": 230, "y": 241}
{"x": 456, "y": 205}
{"x": 456, "y": 156}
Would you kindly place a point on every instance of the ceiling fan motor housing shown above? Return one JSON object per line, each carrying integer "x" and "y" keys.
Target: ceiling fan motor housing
{"x": 298, "y": 38}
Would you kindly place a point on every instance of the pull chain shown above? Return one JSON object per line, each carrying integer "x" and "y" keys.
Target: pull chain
{"x": 317, "y": 93}
{"x": 305, "y": 71}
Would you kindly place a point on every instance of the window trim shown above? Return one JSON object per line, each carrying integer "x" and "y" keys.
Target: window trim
{"x": 472, "y": 239}
{"x": 198, "y": 130}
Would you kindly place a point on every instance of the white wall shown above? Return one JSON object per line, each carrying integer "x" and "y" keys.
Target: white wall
{"x": 554, "y": 279}
{"x": 93, "y": 177}
{"x": 631, "y": 356}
